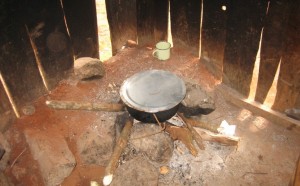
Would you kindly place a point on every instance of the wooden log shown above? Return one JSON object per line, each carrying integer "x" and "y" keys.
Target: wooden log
{"x": 118, "y": 149}
{"x": 73, "y": 105}
{"x": 218, "y": 138}
{"x": 244, "y": 25}
{"x": 196, "y": 123}
{"x": 194, "y": 133}
{"x": 184, "y": 135}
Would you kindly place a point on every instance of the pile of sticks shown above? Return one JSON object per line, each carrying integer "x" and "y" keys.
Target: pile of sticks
{"x": 186, "y": 134}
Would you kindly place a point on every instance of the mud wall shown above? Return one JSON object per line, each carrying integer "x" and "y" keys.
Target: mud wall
{"x": 39, "y": 41}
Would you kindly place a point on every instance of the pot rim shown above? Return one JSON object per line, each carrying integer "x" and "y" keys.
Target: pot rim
{"x": 126, "y": 100}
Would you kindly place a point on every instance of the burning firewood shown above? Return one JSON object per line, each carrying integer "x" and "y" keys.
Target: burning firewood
{"x": 118, "y": 149}
{"x": 219, "y": 138}
{"x": 187, "y": 134}
{"x": 194, "y": 123}
{"x": 182, "y": 134}
{"x": 73, "y": 105}
{"x": 194, "y": 133}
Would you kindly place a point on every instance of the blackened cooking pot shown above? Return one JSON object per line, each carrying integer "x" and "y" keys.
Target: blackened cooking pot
{"x": 152, "y": 92}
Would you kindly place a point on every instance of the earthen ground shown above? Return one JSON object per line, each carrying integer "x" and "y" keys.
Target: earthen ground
{"x": 266, "y": 154}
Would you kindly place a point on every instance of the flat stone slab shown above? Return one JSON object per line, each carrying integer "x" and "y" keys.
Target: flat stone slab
{"x": 148, "y": 139}
{"x": 136, "y": 172}
{"x": 95, "y": 145}
{"x": 53, "y": 155}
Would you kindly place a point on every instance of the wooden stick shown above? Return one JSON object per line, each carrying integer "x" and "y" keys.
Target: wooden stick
{"x": 194, "y": 123}
{"x": 196, "y": 136}
{"x": 182, "y": 134}
{"x": 73, "y": 105}
{"x": 118, "y": 149}
{"x": 219, "y": 138}
{"x": 13, "y": 163}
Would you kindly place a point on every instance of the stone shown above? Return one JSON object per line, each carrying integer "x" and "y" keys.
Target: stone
{"x": 2, "y": 152}
{"x": 293, "y": 113}
{"x": 28, "y": 110}
{"x": 197, "y": 101}
{"x": 6, "y": 119}
{"x": 4, "y": 145}
{"x": 4, "y": 180}
{"x": 52, "y": 153}
{"x": 95, "y": 145}
{"x": 135, "y": 172}
{"x": 157, "y": 147}
{"x": 88, "y": 68}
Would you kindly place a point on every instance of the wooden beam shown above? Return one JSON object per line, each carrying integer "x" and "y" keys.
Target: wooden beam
{"x": 185, "y": 24}
{"x": 213, "y": 35}
{"x": 161, "y": 10}
{"x": 145, "y": 22}
{"x": 122, "y": 20}
{"x": 81, "y": 18}
{"x": 275, "y": 117}
{"x": 77, "y": 105}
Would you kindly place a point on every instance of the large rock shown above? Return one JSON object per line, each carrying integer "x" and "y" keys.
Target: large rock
{"x": 87, "y": 68}
{"x": 157, "y": 147}
{"x": 51, "y": 151}
{"x": 197, "y": 101}
{"x": 95, "y": 145}
{"x": 137, "y": 171}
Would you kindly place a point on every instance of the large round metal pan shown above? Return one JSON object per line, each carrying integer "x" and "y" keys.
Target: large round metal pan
{"x": 153, "y": 92}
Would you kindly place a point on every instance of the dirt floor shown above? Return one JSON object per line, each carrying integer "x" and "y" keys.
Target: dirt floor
{"x": 266, "y": 154}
